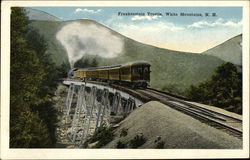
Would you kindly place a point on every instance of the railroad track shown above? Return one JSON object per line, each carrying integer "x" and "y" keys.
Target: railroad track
{"x": 229, "y": 124}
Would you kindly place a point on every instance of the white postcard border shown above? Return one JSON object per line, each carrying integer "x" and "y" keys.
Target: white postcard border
{"x": 7, "y": 153}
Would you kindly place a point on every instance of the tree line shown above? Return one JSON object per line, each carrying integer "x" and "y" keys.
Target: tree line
{"x": 33, "y": 80}
{"x": 223, "y": 90}
{"x": 86, "y": 62}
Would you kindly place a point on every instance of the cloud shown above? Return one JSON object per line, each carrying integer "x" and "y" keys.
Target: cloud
{"x": 136, "y": 18}
{"x": 149, "y": 27}
{"x": 161, "y": 34}
{"x": 173, "y": 36}
{"x": 218, "y": 23}
{"x": 85, "y": 10}
{"x": 169, "y": 26}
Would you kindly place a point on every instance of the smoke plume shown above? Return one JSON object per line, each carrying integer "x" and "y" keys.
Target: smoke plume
{"x": 81, "y": 39}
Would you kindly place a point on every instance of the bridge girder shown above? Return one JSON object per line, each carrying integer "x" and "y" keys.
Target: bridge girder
{"x": 88, "y": 113}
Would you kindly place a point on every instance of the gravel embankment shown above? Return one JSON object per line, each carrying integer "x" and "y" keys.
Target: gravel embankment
{"x": 177, "y": 130}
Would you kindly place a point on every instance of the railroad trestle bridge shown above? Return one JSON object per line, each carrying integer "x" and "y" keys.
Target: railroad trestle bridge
{"x": 90, "y": 105}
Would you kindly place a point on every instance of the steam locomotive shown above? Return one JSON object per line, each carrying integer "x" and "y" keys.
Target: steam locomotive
{"x": 133, "y": 74}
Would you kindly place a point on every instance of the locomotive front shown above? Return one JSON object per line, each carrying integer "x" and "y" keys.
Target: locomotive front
{"x": 71, "y": 73}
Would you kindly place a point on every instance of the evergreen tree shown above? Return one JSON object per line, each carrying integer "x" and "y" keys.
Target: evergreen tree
{"x": 37, "y": 43}
{"x": 94, "y": 63}
{"x": 27, "y": 130}
{"x": 45, "y": 109}
{"x": 63, "y": 70}
{"x": 33, "y": 79}
{"x": 86, "y": 62}
{"x": 223, "y": 90}
{"x": 82, "y": 63}
{"x": 26, "y": 75}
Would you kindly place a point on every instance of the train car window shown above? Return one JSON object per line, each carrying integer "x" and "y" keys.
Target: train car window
{"x": 133, "y": 70}
{"x": 140, "y": 70}
{"x": 137, "y": 70}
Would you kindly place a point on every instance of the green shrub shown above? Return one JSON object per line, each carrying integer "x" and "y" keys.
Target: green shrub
{"x": 121, "y": 144}
{"x": 160, "y": 145}
{"x": 158, "y": 139}
{"x": 103, "y": 135}
{"x": 137, "y": 141}
{"x": 124, "y": 132}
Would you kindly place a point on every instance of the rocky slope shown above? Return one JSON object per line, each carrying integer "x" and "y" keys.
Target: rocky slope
{"x": 165, "y": 127}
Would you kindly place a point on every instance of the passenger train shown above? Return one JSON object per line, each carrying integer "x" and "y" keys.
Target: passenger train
{"x": 133, "y": 74}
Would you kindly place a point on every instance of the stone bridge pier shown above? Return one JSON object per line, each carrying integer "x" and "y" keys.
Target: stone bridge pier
{"x": 89, "y": 106}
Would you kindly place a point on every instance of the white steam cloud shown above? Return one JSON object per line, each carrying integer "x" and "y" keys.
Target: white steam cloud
{"x": 81, "y": 39}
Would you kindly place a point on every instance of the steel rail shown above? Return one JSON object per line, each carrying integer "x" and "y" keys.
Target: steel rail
{"x": 193, "y": 110}
{"x": 189, "y": 104}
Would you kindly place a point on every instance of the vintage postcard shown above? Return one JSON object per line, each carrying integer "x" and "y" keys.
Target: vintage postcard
{"x": 124, "y": 79}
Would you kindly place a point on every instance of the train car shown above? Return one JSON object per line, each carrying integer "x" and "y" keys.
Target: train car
{"x": 92, "y": 74}
{"x": 103, "y": 74}
{"x": 89, "y": 74}
{"x": 134, "y": 74}
{"x": 114, "y": 74}
{"x": 80, "y": 73}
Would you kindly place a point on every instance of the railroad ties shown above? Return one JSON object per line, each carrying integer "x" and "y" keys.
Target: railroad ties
{"x": 89, "y": 107}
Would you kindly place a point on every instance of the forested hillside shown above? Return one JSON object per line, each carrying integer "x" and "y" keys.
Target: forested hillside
{"x": 33, "y": 80}
{"x": 223, "y": 89}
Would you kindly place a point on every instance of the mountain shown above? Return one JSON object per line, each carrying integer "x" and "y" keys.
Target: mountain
{"x": 34, "y": 14}
{"x": 171, "y": 71}
{"x": 229, "y": 51}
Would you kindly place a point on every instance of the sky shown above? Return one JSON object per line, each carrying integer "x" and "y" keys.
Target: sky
{"x": 200, "y": 29}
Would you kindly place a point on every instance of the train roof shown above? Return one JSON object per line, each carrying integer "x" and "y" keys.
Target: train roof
{"x": 118, "y": 65}
{"x": 135, "y": 63}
